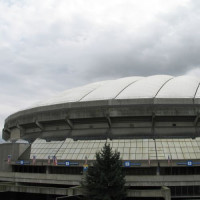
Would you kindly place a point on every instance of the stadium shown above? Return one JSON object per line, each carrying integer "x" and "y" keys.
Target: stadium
{"x": 152, "y": 121}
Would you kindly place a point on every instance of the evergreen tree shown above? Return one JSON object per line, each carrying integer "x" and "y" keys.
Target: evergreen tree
{"x": 105, "y": 179}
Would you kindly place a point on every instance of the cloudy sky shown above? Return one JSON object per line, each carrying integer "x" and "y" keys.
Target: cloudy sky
{"x": 51, "y": 45}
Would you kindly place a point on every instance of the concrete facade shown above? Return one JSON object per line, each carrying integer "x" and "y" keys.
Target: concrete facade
{"x": 13, "y": 149}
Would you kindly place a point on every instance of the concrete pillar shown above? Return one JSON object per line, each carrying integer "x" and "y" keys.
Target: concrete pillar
{"x": 158, "y": 169}
{"x": 70, "y": 192}
{"x": 166, "y": 193}
{"x": 47, "y": 170}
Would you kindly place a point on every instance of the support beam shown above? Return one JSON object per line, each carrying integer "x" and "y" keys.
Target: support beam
{"x": 69, "y": 123}
{"x": 196, "y": 124}
{"x": 197, "y": 119}
{"x": 7, "y": 130}
{"x": 153, "y": 124}
{"x": 109, "y": 121}
{"x": 20, "y": 127}
{"x": 39, "y": 125}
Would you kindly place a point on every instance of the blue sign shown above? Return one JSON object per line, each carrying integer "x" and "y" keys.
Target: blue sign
{"x": 189, "y": 163}
{"x": 135, "y": 164}
{"x": 127, "y": 163}
{"x": 67, "y": 163}
{"x": 22, "y": 162}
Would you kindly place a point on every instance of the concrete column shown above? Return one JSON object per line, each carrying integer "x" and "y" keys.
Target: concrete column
{"x": 47, "y": 170}
{"x": 166, "y": 193}
{"x": 158, "y": 169}
{"x": 70, "y": 192}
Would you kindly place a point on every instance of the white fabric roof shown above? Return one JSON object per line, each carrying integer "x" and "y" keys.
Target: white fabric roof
{"x": 144, "y": 88}
{"x": 111, "y": 89}
{"x": 158, "y": 86}
{"x": 179, "y": 87}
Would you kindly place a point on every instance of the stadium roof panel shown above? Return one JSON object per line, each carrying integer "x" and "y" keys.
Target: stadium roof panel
{"x": 158, "y": 87}
{"x": 72, "y": 95}
{"x": 111, "y": 89}
{"x": 179, "y": 87}
{"x": 144, "y": 88}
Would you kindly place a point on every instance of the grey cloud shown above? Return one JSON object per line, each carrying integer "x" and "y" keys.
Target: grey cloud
{"x": 167, "y": 46}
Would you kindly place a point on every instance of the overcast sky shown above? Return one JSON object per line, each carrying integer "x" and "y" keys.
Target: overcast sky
{"x": 47, "y": 46}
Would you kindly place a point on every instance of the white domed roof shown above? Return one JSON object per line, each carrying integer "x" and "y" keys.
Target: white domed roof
{"x": 158, "y": 87}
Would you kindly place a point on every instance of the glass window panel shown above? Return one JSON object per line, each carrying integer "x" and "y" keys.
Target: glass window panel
{"x": 126, "y": 150}
{"x": 161, "y": 156}
{"x": 96, "y": 145}
{"x": 87, "y": 151}
{"x": 145, "y": 150}
{"x": 196, "y": 149}
{"x": 132, "y": 150}
{"x": 171, "y": 144}
{"x": 132, "y": 156}
{"x": 180, "y": 156}
{"x": 178, "y": 150}
{"x": 190, "y": 149}
{"x": 64, "y": 145}
{"x": 138, "y": 156}
{"x": 61, "y": 150}
{"x": 158, "y": 144}
{"x": 145, "y": 156}
{"x": 58, "y": 145}
{"x": 133, "y": 143}
{"x": 185, "y": 150}
{"x": 69, "y": 146}
{"x": 50, "y": 150}
{"x": 85, "y": 145}
{"x": 139, "y": 150}
{"x": 139, "y": 144}
{"x": 145, "y": 144}
{"x": 91, "y": 156}
{"x": 125, "y": 156}
{"x": 74, "y": 156}
{"x": 197, "y": 155}
{"x": 127, "y": 144}
{"x": 80, "y": 145}
{"x": 172, "y": 150}
{"x": 186, "y": 156}
{"x": 80, "y": 156}
{"x": 90, "y": 145}
{"x": 189, "y": 144}
{"x": 69, "y": 156}
{"x": 82, "y": 150}
{"x": 121, "y": 150}
{"x": 54, "y": 150}
{"x": 115, "y": 145}
{"x": 151, "y": 144}
{"x": 121, "y": 144}
{"x": 72, "y": 151}
{"x": 64, "y": 157}
{"x": 93, "y": 151}
{"x": 77, "y": 150}
{"x": 193, "y": 156}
